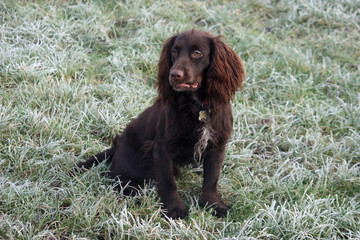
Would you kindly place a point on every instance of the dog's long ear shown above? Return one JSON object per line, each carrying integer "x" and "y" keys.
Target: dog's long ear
{"x": 164, "y": 66}
{"x": 225, "y": 74}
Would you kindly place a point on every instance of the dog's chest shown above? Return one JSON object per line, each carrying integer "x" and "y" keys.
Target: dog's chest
{"x": 204, "y": 136}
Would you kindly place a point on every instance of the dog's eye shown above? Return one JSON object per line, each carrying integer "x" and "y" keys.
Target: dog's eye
{"x": 196, "y": 54}
{"x": 174, "y": 52}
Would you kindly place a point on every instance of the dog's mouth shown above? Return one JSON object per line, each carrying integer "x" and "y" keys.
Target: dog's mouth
{"x": 185, "y": 86}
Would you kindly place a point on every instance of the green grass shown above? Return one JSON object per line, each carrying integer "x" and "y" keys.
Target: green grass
{"x": 74, "y": 73}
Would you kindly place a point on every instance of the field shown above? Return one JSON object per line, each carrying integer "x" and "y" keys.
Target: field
{"x": 73, "y": 74}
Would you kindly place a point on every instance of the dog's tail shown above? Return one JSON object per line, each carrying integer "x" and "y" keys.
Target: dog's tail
{"x": 98, "y": 158}
{"x": 94, "y": 160}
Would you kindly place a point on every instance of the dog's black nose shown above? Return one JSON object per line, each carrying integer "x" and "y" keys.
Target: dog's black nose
{"x": 177, "y": 74}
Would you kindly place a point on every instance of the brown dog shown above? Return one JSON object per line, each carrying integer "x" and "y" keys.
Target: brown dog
{"x": 190, "y": 121}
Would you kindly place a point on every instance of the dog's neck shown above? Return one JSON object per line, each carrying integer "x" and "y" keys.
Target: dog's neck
{"x": 199, "y": 101}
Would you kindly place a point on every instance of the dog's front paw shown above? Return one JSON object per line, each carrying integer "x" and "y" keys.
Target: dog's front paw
{"x": 213, "y": 200}
{"x": 176, "y": 211}
{"x": 220, "y": 210}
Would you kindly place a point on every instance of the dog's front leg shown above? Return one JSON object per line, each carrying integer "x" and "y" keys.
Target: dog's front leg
{"x": 163, "y": 168}
{"x": 212, "y": 165}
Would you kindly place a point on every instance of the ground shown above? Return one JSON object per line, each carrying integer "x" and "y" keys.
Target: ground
{"x": 74, "y": 73}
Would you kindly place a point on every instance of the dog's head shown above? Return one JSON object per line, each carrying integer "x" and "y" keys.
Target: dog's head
{"x": 196, "y": 60}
